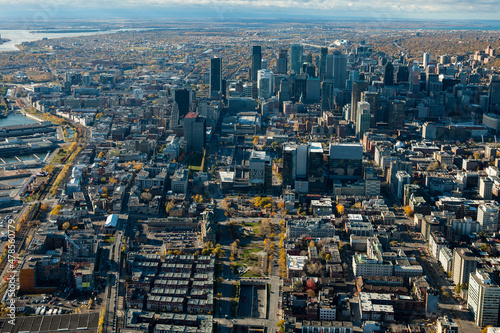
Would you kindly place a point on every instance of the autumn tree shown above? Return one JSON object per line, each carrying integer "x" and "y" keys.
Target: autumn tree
{"x": 340, "y": 209}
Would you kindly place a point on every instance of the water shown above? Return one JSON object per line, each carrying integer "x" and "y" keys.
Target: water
{"x": 18, "y": 36}
{"x": 16, "y": 119}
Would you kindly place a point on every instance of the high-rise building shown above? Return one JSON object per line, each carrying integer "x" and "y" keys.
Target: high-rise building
{"x": 304, "y": 163}
{"x": 363, "y": 120}
{"x": 402, "y": 74}
{"x": 296, "y": 55}
{"x": 389, "y": 74}
{"x": 215, "y": 78}
{"x": 263, "y": 64}
{"x": 284, "y": 92}
{"x": 415, "y": 79}
{"x": 483, "y": 298}
{"x": 487, "y": 216}
{"x": 426, "y": 59}
{"x": 322, "y": 63}
{"x": 174, "y": 116}
{"x": 336, "y": 69}
{"x": 372, "y": 99}
{"x": 256, "y": 62}
{"x": 346, "y": 160}
{"x": 396, "y": 118}
{"x": 194, "y": 132}
{"x": 282, "y": 62}
{"x": 357, "y": 88}
{"x": 265, "y": 81}
{"x": 327, "y": 95}
{"x": 464, "y": 263}
{"x": 486, "y": 188}
{"x": 184, "y": 99}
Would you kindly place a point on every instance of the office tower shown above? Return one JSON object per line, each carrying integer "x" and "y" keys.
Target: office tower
{"x": 315, "y": 166}
{"x": 294, "y": 163}
{"x": 215, "y": 78}
{"x": 327, "y": 95}
{"x": 483, "y": 298}
{"x": 464, "y": 263}
{"x": 313, "y": 90}
{"x": 256, "y": 63}
{"x": 388, "y": 74}
{"x": 296, "y": 54}
{"x": 308, "y": 69}
{"x": 263, "y": 64}
{"x": 260, "y": 172}
{"x": 303, "y": 163}
{"x": 372, "y": 99}
{"x": 138, "y": 94}
{"x": 184, "y": 99}
{"x": 282, "y": 62}
{"x": 284, "y": 92}
{"x": 336, "y": 69}
{"x": 357, "y": 88}
{"x": 426, "y": 59}
{"x": 174, "y": 116}
{"x": 402, "y": 74}
{"x": 346, "y": 160}
{"x": 486, "y": 188}
{"x": 396, "y": 118}
{"x": 363, "y": 119}
{"x": 494, "y": 92}
{"x": 194, "y": 132}
{"x": 487, "y": 216}
{"x": 322, "y": 63}
{"x": 300, "y": 86}
{"x": 265, "y": 81}
{"x": 86, "y": 80}
{"x": 415, "y": 79}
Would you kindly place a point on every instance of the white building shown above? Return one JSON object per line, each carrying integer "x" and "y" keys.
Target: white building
{"x": 487, "y": 216}
{"x": 483, "y": 298}
{"x": 265, "y": 80}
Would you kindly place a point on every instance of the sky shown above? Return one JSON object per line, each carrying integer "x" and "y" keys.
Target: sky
{"x": 47, "y": 10}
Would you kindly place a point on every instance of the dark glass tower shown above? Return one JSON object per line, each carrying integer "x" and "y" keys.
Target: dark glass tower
{"x": 388, "y": 74}
{"x": 256, "y": 63}
{"x": 215, "y": 77}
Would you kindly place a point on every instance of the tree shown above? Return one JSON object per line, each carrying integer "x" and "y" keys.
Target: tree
{"x": 340, "y": 209}
{"x": 297, "y": 285}
{"x": 56, "y": 210}
{"x": 446, "y": 294}
{"x": 458, "y": 288}
{"x": 255, "y": 140}
{"x": 65, "y": 226}
{"x": 146, "y": 196}
{"x": 433, "y": 166}
{"x": 43, "y": 207}
{"x": 393, "y": 243}
{"x": 477, "y": 155}
{"x": 408, "y": 211}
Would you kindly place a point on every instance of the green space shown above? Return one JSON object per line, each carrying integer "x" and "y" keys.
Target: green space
{"x": 60, "y": 157}
{"x": 251, "y": 274}
{"x": 195, "y": 162}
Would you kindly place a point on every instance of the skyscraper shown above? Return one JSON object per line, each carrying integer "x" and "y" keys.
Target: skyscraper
{"x": 282, "y": 62}
{"x": 484, "y": 298}
{"x": 184, "y": 99}
{"x": 426, "y": 59}
{"x": 296, "y": 54}
{"x": 363, "y": 119}
{"x": 396, "y": 118}
{"x": 415, "y": 79}
{"x": 327, "y": 96}
{"x": 256, "y": 63}
{"x": 372, "y": 99}
{"x": 174, "y": 116}
{"x": 389, "y": 74}
{"x": 464, "y": 263}
{"x": 339, "y": 69}
{"x": 194, "y": 132}
{"x": 322, "y": 64}
{"x": 357, "y": 88}
{"x": 265, "y": 81}
{"x": 215, "y": 78}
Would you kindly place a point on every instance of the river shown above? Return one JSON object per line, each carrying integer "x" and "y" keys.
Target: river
{"x": 18, "y": 36}
{"x": 16, "y": 119}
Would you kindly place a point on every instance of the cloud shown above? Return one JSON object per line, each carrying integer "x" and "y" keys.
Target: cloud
{"x": 376, "y": 9}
